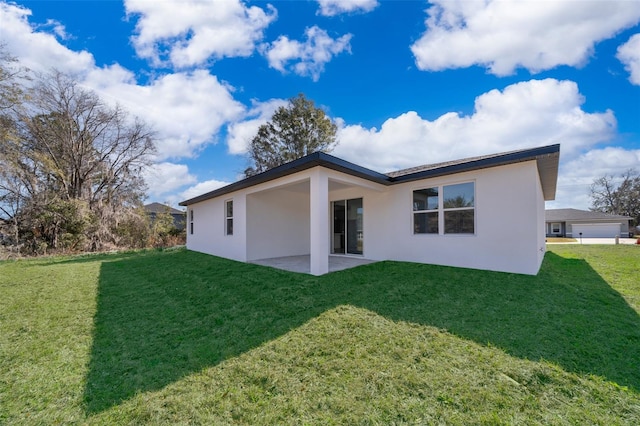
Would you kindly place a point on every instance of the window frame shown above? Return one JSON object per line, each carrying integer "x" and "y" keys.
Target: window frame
{"x": 553, "y": 231}
{"x": 441, "y": 210}
{"x": 426, "y": 211}
{"x": 190, "y": 221}
{"x": 228, "y": 219}
{"x": 445, "y": 210}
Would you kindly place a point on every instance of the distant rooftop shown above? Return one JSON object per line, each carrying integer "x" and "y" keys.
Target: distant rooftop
{"x": 161, "y": 208}
{"x": 561, "y": 215}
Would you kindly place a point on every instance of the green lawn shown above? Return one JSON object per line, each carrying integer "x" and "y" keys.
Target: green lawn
{"x": 170, "y": 337}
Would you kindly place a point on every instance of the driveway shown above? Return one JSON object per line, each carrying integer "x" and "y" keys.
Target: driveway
{"x": 602, "y": 241}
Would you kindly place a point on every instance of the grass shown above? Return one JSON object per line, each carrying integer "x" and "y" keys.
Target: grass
{"x": 179, "y": 337}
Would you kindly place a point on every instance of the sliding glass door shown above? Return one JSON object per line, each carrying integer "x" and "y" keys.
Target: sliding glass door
{"x": 347, "y": 231}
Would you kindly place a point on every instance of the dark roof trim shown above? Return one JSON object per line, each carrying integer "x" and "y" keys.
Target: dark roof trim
{"x": 549, "y": 155}
{"x": 481, "y": 163}
{"x": 295, "y": 166}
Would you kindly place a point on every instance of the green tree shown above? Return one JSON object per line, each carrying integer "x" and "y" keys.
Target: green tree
{"x": 617, "y": 198}
{"x": 294, "y": 131}
{"x": 162, "y": 227}
{"x": 134, "y": 228}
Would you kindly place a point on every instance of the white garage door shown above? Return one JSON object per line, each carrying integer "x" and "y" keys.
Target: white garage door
{"x": 596, "y": 230}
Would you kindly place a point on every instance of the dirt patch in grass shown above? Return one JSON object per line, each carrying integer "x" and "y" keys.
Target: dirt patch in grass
{"x": 561, "y": 240}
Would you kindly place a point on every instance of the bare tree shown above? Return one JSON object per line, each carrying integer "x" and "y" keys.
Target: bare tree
{"x": 12, "y": 99}
{"x": 92, "y": 151}
{"x": 12, "y": 76}
{"x": 603, "y": 195}
{"x": 74, "y": 164}
{"x": 617, "y": 198}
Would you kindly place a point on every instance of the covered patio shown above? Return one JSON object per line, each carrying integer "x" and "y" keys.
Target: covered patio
{"x": 289, "y": 225}
{"x": 302, "y": 263}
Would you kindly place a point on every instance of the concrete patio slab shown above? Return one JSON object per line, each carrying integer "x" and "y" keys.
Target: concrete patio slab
{"x": 303, "y": 263}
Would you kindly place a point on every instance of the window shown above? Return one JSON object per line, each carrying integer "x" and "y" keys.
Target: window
{"x": 555, "y": 228}
{"x": 191, "y": 221}
{"x": 425, "y": 211}
{"x": 458, "y": 207}
{"x": 228, "y": 217}
{"x": 447, "y": 209}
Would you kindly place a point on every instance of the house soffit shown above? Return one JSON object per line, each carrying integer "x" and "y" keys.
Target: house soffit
{"x": 338, "y": 186}
{"x": 339, "y": 181}
{"x": 296, "y": 186}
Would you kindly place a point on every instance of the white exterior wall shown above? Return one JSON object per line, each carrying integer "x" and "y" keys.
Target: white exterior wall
{"x": 278, "y": 219}
{"x": 209, "y": 227}
{"x": 509, "y": 220}
{"x": 509, "y": 223}
{"x": 375, "y": 218}
{"x": 278, "y": 223}
{"x": 540, "y": 223}
{"x": 319, "y": 218}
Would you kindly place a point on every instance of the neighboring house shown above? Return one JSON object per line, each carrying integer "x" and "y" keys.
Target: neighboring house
{"x": 459, "y": 213}
{"x": 179, "y": 217}
{"x": 575, "y": 223}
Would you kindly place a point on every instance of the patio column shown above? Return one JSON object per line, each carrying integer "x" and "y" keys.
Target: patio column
{"x": 319, "y": 219}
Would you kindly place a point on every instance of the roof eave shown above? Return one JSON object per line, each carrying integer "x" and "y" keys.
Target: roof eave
{"x": 548, "y": 164}
{"x": 547, "y": 159}
{"x": 312, "y": 160}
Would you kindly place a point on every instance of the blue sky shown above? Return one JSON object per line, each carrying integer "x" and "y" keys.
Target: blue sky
{"x": 407, "y": 82}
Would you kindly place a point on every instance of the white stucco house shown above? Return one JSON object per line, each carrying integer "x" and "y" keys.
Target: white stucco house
{"x": 574, "y": 223}
{"x": 484, "y": 212}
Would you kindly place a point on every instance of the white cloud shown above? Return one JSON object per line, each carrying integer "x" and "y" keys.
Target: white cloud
{"x": 167, "y": 180}
{"x": 306, "y": 58}
{"x": 186, "y": 109}
{"x": 505, "y": 35}
{"x": 201, "y": 188}
{"x": 164, "y": 178}
{"x": 190, "y": 32}
{"x": 336, "y": 7}
{"x": 629, "y": 55}
{"x": 57, "y": 28}
{"x": 37, "y": 50}
{"x": 576, "y": 175}
{"x": 523, "y": 115}
{"x": 239, "y": 134}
